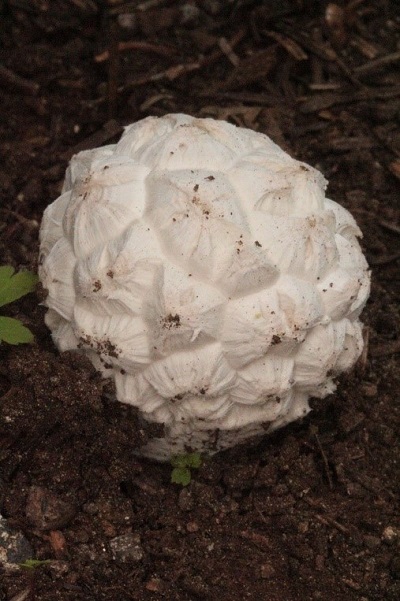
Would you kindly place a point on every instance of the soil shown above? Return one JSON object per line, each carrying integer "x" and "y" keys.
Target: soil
{"x": 309, "y": 513}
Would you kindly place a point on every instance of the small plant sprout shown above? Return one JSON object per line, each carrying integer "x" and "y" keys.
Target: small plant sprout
{"x": 33, "y": 564}
{"x": 182, "y": 466}
{"x": 12, "y": 287}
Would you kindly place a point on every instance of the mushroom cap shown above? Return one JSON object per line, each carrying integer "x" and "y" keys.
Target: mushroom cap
{"x": 204, "y": 270}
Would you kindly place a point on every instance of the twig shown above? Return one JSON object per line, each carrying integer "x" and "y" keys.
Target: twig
{"x": 324, "y": 101}
{"x": 324, "y": 51}
{"x": 368, "y": 49}
{"x": 327, "y": 521}
{"x": 362, "y": 362}
{"x": 384, "y": 350}
{"x": 355, "y": 586}
{"x": 30, "y": 223}
{"x": 161, "y": 50}
{"x": 316, "y": 64}
{"x": 150, "y": 4}
{"x": 247, "y": 97}
{"x": 259, "y": 540}
{"x": 290, "y": 45}
{"x": 113, "y": 67}
{"x": 325, "y": 460}
{"x": 377, "y": 64}
{"x": 227, "y": 50}
{"x": 18, "y": 82}
{"x": 149, "y": 102}
{"x": 385, "y": 260}
{"x": 325, "y": 86}
{"x": 390, "y": 226}
{"x": 182, "y": 69}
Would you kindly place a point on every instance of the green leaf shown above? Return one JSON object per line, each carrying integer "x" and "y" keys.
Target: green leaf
{"x": 182, "y": 465}
{"x": 14, "y": 285}
{"x": 181, "y": 475}
{"x": 178, "y": 461}
{"x": 193, "y": 460}
{"x": 32, "y": 564}
{"x": 186, "y": 460}
{"x": 13, "y": 332}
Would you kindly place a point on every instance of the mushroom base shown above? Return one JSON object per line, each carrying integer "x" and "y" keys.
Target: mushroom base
{"x": 179, "y": 439}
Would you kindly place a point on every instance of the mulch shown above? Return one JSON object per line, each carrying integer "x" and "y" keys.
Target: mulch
{"x": 309, "y": 513}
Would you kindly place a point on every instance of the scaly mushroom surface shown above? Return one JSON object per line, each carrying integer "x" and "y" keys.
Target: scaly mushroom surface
{"x": 204, "y": 270}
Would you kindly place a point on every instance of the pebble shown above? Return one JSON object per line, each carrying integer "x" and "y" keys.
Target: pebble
{"x": 303, "y": 527}
{"x": 390, "y": 535}
{"x": 47, "y": 511}
{"x": 14, "y": 547}
{"x": 267, "y": 570}
{"x": 155, "y": 585}
{"x": 192, "y": 527}
{"x": 372, "y": 541}
{"x": 127, "y": 547}
{"x": 370, "y": 390}
{"x": 185, "y": 500}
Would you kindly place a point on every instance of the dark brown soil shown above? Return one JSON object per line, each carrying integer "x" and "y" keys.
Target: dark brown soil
{"x": 311, "y": 513}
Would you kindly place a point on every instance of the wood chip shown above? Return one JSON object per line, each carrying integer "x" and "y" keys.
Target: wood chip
{"x": 316, "y": 62}
{"x": 384, "y": 260}
{"x": 158, "y": 49}
{"x": 391, "y": 227}
{"x": 228, "y": 51}
{"x": 19, "y": 83}
{"x": 292, "y": 47}
{"x": 182, "y": 69}
{"x": 149, "y": 102}
{"x": 323, "y": 101}
{"x": 366, "y": 48}
{"x": 355, "y": 143}
{"x": 327, "y": 521}
{"x": 394, "y": 168}
{"x": 254, "y": 68}
{"x": 376, "y": 65}
{"x": 22, "y": 595}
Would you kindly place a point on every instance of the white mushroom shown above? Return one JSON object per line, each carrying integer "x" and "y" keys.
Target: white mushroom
{"x": 203, "y": 269}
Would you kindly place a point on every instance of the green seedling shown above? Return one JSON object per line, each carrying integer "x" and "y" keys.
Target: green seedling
{"x": 12, "y": 287}
{"x": 182, "y": 466}
{"x": 32, "y": 564}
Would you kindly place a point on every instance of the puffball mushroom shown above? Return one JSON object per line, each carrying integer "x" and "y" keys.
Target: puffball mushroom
{"x": 203, "y": 269}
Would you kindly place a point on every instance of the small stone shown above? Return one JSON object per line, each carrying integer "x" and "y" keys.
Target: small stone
{"x": 185, "y": 500}
{"x": 372, "y": 541}
{"x": 192, "y": 527}
{"x": 390, "y": 535}
{"x": 127, "y": 21}
{"x": 302, "y": 527}
{"x": 267, "y": 570}
{"x": 370, "y": 390}
{"x": 59, "y": 569}
{"x": 319, "y": 563}
{"x": 127, "y": 547}
{"x": 155, "y": 585}
{"x": 14, "y": 547}
{"x": 108, "y": 528}
{"x": 46, "y": 511}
